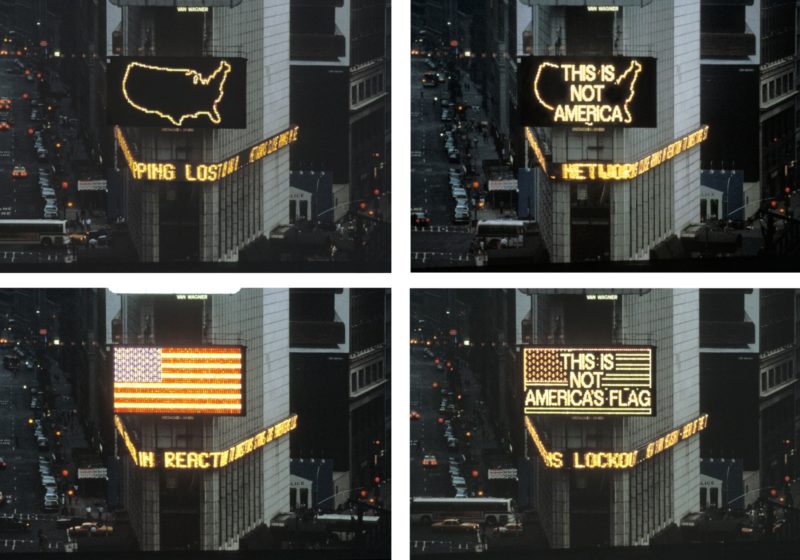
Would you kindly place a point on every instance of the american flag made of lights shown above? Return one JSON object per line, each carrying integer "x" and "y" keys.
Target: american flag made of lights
{"x": 164, "y": 380}
{"x": 543, "y": 367}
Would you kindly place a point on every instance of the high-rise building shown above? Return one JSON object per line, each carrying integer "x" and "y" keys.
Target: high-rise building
{"x": 211, "y": 221}
{"x": 214, "y": 507}
{"x": 617, "y": 506}
{"x": 616, "y": 220}
{"x": 340, "y": 48}
{"x": 340, "y": 373}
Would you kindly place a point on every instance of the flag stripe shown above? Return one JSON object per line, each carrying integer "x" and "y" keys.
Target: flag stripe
{"x": 224, "y": 384}
{"x": 180, "y": 406}
{"x": 161, "y": 389}
{"x": 184, "y": 398}
{"x": 187, "y": 376}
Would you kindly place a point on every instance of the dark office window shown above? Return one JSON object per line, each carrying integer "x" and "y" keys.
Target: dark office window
{"x": 292, "y": 498}
{"x": 304, "y": 209}
{"x": 292, "y": 211}
{"x": 354, "y": 94}
{"x": 703, "y": 498}
{"x": 361, "y": 378}
{"x": 361, "y": 91}
{"x": 714, "y": 209}
{"x": 354, "y": 382}
{"x": 764, "y": 93}
{"x": 763, "y": 380}
{"x": 715, "y": 497}
{"x": 703, "y": 209}
{"x": 772, "y": 378}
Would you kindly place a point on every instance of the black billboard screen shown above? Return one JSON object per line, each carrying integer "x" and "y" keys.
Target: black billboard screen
{"x": 207, "y": 92}
{"x": 585, "y": 91}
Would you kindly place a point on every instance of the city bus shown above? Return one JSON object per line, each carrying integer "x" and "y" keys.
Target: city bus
{"x": 39, "y": 232}
{"x": 492, "y": 511}
{"x": 494, "y": 232}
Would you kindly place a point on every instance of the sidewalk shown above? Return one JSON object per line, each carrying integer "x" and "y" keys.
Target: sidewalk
{"x": 482, "y": 145}
{"x": 72, "y": 437}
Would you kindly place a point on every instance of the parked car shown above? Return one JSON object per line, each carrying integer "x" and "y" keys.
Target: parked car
{"x": 461, "y": 215}
{"x": 50, "y": 504}
{"x": 13, "y": 524}
{"x": 419, "y": 218}
{"x": 512, "y": 529}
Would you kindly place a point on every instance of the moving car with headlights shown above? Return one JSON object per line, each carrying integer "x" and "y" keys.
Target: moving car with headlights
{"x": 90, "y": 528}
{"x": 455, "y": 525}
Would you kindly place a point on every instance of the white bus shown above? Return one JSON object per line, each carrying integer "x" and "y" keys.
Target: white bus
{"x": 492, "y": 511}
{"x": 39, "y": 232}
{"x": 494, "y": 232}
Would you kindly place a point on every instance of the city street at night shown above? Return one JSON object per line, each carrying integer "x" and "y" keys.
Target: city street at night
{"x": 97, "y": 415}
{"x": 112, "y": 160}
{"x": 664, "y": 139}
{"x": 521, "y": 395}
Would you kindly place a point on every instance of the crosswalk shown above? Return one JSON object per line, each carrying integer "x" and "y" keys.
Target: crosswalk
{"x": 34, "y": 257}
{"x": 30, "y": 516}
{"x": 434, "y": 546}
{"x": 444, "y": 229}
{"x": 425, "y": 256}
{"x": 13, "y": 544}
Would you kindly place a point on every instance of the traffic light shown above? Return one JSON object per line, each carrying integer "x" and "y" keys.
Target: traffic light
{"x": 773, "y": 203}
{"x": 376, "y": 480}
{"x": 58, "y": 433}
{"x": 64, "y": 185}
{"x": 475, "y": 473}
{"x": 436, "y": 361}
{"x": 435, "y": 385}
{"x": 70, "y": 492}
{"x": 787, "y": 479}
{"x": 440, "y": 420}
{"x": 363, "y": 493}
{"x": 376, "y": 191}
{"x": 773, "y": 492}
{"x": 362, "y": 205}
{"x": 64, "y": 473}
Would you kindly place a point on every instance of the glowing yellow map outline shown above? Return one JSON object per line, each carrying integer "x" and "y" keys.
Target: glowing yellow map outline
{"x": 634, "y": 66}
{"x": 197, "y": 78}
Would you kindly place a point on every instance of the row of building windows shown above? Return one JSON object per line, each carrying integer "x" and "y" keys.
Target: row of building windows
{"x": 778, "y": 86}
{"x": 775, "y": 376}
{"x": 366, "y": 88}
{"x": 366, "y": 376}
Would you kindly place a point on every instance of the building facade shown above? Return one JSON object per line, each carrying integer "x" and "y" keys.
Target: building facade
{"x": 340, "y": 382}
{"x": 618, "y": 220}
{"x": 340, "y": 48}
{"x": 618, "y": 507}
{"x": 213, "y": 507}
{"x": 178, "y": 221}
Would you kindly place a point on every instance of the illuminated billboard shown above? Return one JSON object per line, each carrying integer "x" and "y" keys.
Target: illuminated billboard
{"x": 614, "y": 381}
{"x": 180, "y": 380}
{"x": 596, "y": 459}
{"x": 185, "y": 459}
{"x": 585, "y": 91}
{"x": 202, "y": 172}
{"x": 198, "y": 92}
